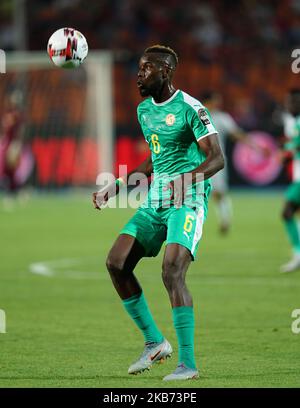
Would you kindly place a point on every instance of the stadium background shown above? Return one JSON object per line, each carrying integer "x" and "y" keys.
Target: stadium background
{"x": 65, "y": 323}
{"x": 242, "y": 49}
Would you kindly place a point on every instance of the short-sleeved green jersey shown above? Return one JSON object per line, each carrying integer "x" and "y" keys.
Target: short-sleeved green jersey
{"x": 172, "y": 129}
{"x": 294, "y": 145}
{"x": 294, "y": 136}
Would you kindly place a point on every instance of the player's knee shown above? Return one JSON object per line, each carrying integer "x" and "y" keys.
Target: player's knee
{"x": 114, "y": 264}
{"x": 172, "y": 274}
{"x": 287, "y": 214}
{"x": 217, "y": 196}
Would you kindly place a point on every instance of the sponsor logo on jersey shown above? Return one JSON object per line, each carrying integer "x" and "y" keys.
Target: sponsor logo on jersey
{"x": 170, "y": 119}
{"x": 203, "y": 116}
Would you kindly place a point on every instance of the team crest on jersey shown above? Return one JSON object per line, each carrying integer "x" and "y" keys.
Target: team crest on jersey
{"x": 170, "y": 119}
{"x": 203, "y": 116}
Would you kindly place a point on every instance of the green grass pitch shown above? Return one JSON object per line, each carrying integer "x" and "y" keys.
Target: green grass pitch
{"x": 67, "y": 328}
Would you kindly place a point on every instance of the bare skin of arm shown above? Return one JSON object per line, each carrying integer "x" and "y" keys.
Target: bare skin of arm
{"x": 214, "y": 157}
{"x": 212, "y": 164}
{"x": 240, "y": 136}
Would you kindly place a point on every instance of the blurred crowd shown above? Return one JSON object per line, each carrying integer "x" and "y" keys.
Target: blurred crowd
{"x": 241, "y": 48}
{"x": 206, "y": 30}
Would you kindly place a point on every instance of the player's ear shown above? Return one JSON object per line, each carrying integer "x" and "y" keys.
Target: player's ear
{"x": 167, "y": 72}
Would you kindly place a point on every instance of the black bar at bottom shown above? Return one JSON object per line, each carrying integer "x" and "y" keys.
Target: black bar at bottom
{"x": 86, "y": 397}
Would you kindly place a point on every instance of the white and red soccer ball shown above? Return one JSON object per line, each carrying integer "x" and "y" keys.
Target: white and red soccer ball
{"x": 67, "y": 48}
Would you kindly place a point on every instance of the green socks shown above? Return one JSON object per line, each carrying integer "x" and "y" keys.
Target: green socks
{"x": 293, "y": 234}
{"x": 138, "y": 310}
{"x": 183, "y": 318}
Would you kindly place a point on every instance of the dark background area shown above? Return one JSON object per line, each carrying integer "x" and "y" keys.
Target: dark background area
{"x": 242, "y": 49}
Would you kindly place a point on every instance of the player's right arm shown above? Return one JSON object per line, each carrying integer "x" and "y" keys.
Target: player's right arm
{"x": 146, "y": 168}
{"x": 237, "y": 134}
{"x": 102, "y": 196}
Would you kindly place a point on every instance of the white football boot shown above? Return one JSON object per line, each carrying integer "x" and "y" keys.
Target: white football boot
{"x": 291, "y": 266}
{"x": 153, "y": 352}
{"x": 182, "y": 373}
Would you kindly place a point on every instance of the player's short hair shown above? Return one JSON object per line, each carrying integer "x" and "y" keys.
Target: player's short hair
{"x": 162, "y": 49}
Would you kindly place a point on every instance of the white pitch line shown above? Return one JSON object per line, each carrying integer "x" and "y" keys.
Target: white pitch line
{"x": 40, "y": 268}
{"x": 63, "y": 268}
{"x": 60, "y": 268}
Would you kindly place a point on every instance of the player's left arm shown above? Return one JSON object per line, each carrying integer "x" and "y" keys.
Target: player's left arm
{"x": 214, "y": 161}
{"x": 233, "y": 130}
{"x": 239, "y": 135}
{"x": 208, "y": 142}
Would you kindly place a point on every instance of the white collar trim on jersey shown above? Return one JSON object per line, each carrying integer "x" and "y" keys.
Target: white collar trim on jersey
{"x": 167, "y": 101}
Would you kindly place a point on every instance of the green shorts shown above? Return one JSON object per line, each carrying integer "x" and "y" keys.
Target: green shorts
{"x": 293, "y": 193}
{"x": 152, "y": 226}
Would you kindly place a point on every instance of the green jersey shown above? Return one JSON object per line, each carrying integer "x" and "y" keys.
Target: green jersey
{"x": 293, "y": 134}
{"x": 292, "y": 131}
{"x": 172, "y": 129}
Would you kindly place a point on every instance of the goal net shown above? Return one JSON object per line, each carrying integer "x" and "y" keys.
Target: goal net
{"x": 67, "y": 117}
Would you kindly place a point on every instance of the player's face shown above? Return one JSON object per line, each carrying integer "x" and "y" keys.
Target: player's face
{"x": 150, "y": 75}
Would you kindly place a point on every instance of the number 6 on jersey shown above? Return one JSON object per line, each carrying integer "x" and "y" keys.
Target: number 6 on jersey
{"x": 155, "y": 143}
{"x": 188, "y": 225}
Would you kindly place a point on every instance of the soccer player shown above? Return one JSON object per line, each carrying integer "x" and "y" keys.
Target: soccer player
{"x": 11, "y": 144}
{"x": 292, "y": 196}
{"x": 227, "y": 127}
{"x": 182, "y": 140}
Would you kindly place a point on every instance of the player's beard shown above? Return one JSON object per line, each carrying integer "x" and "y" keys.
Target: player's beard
{"x": 144, "y": 91}
{"x": 152, "y": 89}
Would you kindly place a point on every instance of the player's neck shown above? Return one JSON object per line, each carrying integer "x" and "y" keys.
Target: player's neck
{"x": 164, "y": 93}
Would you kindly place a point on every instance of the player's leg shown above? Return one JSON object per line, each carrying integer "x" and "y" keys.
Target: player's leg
{"x": 176, "y": 261}
{"x": 12, "y": 161}
{"x": 224, "y": 210}
{"x": 288, "y": 216}
{"x": 10, "y": 189}
{"x": 121, "y": 261}
{"x": 184, "y": 233}
{"x": 222, "y": 200}
{"x": 175, "y": 264}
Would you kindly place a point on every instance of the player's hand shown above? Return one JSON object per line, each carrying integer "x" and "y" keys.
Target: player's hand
{"x": 265, "y": 151}
{"x": 95, "y": 202}
{"x": 284, "y": 155}
{"x": 101, "y": 197}
{"x": 262, "y": 150}
{"x": 177, "y": 189}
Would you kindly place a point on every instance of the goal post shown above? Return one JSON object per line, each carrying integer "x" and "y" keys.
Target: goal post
{"x": 100, "y": 105}
{"x": 67, "y": 112}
